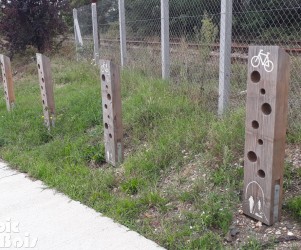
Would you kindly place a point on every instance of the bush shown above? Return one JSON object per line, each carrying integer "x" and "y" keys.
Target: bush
{"x": 32, "y": 22}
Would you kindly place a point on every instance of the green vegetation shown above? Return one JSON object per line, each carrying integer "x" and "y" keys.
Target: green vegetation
{"x": 294, "y": 205}
{"x": 179, "y": 183}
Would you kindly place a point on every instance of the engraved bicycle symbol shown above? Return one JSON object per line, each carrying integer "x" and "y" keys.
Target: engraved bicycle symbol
{"x": 105, "y": 68}
{"x": 264, "y": 60}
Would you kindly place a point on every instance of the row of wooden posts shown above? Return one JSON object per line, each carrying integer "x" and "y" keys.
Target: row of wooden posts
{"x": 111, "y": 99}
{"x": 266, "y": 122}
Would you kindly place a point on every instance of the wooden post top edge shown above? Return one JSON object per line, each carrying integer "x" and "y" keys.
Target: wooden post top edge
{"x": 42, "y": 56}
{"x": 105, "y": 61}
{"x": 4, "y": 58}
{"x": 272, "y": 47}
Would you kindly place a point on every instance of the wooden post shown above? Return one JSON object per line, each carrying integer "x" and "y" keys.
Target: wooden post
{"x": 8, "y": 83}
{"x": 111, "y": 103}
{"x": 46, "y": 87}
{"x": 225, "y": 55}
{"x": 266, "y": 121}
{"x": 165, "y": 39}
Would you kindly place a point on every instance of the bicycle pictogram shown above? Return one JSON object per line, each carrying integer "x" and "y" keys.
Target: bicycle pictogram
{"x": 264, "y": 60}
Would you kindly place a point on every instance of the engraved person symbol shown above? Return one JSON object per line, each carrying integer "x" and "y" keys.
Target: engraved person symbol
{"x": 256, "y": 204}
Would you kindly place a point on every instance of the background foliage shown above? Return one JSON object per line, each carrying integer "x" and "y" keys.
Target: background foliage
{"x": 32, "y": 22}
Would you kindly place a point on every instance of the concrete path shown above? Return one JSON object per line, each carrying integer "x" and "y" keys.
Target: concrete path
{"x": 34, "y": 217}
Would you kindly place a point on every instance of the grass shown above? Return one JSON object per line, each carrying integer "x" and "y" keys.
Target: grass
{"x": 294, "y": 205}
{"x": 179, "y": 156}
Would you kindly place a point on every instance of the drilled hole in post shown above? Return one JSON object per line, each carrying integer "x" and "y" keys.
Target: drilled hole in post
{"x": 252, "y": 156}
{"x": 106, "y": 106}
{"x": 107, "y": 86}
{"x": 255, "y": 76}
{"x": 261, "y": 173}
{"x": 262, "y": 91}
{"x": 266, "y": 109}
{"x": 106, "y": 126}
{"x": 109, "y": 117}
{"x": 260, "y": 142}
{"x": 43, "y": 79}
{"x": 255, "y": 124}
{"x": 103, "y": 77}
{"x": 109, "y": 97}
{"x": 110, "y": 135}
{"x": 39, "y": 66}
{"x": 43, "y": 102}
{"x": 42, "y": 87}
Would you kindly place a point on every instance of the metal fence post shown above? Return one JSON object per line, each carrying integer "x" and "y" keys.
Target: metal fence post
{"x": 122, "y": 30}
{"x": 95, "y": 33}
{"x": 77, "y": 33}
{"x": 225, "y": 55}
{"x": 165, "y": 39}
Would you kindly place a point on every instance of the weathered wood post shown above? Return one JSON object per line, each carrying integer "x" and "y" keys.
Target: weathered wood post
{"x": 266, "y": 121}
{"x": 46, "y": 87}
{"x": 111, "y": 103}
{"x": 8, "y": 83}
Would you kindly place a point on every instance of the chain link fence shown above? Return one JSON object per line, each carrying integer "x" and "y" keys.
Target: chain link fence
{"x": 108, "y": 27}
{"x": 194, "y": 42}
{"x": 84, "y": 16}
{"x": 267, "y": 23}
{"x": 143, "y": 27}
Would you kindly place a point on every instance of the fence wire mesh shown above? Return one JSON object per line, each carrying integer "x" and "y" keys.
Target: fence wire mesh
{"x": 84, "y": 16}
{"x": 108, "y": 28}
{"x": 143, "y": 27}
{"x": 194, "y": 41}
{"x": 267, "y": 23}
{"x": 194, "y": 32}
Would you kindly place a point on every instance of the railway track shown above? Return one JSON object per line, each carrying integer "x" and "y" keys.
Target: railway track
{"x": 295, "y": 47}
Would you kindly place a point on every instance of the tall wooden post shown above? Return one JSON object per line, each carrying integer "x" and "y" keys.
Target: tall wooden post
{"x": 266, "y": 121}
{"x": 46, "y": 87}
{"x": 111, "y": 103}
{"x": 8, "y": 83}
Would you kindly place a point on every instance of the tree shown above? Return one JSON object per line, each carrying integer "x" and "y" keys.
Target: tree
{"x": 32, "y": 22}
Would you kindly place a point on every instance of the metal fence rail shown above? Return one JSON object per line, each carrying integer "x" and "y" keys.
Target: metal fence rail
{"x": 198, "y": 51}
